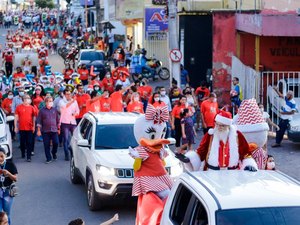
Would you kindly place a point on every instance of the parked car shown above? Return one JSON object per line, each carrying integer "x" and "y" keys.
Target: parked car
{"x": 100, "y": 156}
{"x": 5, "y": 135}
{"x": 233, "y": 197}
{"x": 96, "y": 58}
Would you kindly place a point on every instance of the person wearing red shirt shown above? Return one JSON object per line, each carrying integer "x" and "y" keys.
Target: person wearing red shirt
{"x": 8, "y": 59}
{"x": 37, "y": 98}
{"x": 6, "y": 106}
{"x": 25, "y": 124}
{"x": 209, "y": 110}
{"x": 93, "y": 105}
{"x": 155, "y": 100}
{"x": 18, "y": 73}
{"x": 108, "y": 83}
{"x": 40, "y": 34}
{"x": 67, "y": 72}
{"x": 105, "y": 102}
{"x": 26, "y": 44}
{"x": 117, "y": 99}
{"x": 84, "y": 74}
{"x": 54, "y": 34}
{"x": 145, "y": 92}
{"x": 135, "y": 105}
{"x": 202, "y": 93}
{"x": 176, "y": 119}
{"x": 81, "y": 99}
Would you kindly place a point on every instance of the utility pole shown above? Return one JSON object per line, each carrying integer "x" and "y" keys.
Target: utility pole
{"x": 98, "y": 18}
{"x": 173, "y": 39}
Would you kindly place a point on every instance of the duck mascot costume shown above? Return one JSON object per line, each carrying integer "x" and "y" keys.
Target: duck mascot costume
{"x": 249, "y": 120}
{"x": 151, "y": 183}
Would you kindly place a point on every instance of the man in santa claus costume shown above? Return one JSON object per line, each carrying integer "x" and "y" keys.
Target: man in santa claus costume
{"x": 223, "y": 147}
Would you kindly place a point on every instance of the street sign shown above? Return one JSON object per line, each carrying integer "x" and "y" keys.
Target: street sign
{"x": 175, "y": 55}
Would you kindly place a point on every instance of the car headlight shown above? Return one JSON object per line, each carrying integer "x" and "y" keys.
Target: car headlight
{"x": 176, "y": 170}
{"x": 3, "y": 139}
{"x": 105, "y": 171}
{"x": 292, "y": 128}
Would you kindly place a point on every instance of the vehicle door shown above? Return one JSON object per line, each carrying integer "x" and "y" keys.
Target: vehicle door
{"x": 83, "y": 151}
{"x": 188, "y": 209}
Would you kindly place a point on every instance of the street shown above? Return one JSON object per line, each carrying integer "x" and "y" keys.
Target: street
{"x": 47, "y": 197}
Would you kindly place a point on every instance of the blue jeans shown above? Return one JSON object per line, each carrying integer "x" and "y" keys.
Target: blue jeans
{"x": 67, "y": 130}
{"x": 5, "y": 203}
{"x": 283, "y": 125}
{"x": 47, "y": 137}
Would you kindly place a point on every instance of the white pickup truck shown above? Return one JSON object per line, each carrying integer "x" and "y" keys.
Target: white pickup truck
{"x": 233, "y": 197}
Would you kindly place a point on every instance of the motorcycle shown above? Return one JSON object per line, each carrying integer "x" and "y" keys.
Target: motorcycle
{"x": 137, "y": 71}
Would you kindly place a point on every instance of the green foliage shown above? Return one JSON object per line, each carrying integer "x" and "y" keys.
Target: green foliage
{"x": 45, "y": 4}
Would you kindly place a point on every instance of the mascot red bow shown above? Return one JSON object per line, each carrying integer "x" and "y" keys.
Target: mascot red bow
{"x": 151, "y": 183}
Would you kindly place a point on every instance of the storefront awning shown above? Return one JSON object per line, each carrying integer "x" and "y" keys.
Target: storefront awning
{"x": 285, "y": 25}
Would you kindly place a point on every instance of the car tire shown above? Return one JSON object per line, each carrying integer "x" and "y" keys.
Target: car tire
{"x": 94, "y": 202}
{"x": 74, "y": 174}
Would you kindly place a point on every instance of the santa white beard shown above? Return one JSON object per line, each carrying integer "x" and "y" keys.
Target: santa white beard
{"x": 222, "y": 135}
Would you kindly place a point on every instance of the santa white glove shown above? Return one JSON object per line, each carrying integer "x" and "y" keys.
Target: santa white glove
{"x": 133, "y": 153}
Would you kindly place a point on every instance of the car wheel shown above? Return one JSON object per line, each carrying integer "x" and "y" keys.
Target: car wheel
{"x": 74, "y": 175}
{"x": 94, "y": 202}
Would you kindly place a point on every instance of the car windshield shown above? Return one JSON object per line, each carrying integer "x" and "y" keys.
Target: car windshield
{"x": 259, "y": 216}
{"x": 114, "y": 136}
{"x": 92, "y": 56}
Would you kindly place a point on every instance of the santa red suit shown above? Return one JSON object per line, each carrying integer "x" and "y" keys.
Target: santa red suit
{"x": 43, "y": 52}
{"x": 26, "y": 43}
{"x": 229, "y": 152}
{"x": 36, "y": 43}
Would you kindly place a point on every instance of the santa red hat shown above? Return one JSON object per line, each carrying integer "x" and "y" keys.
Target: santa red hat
{"x": 224, "y": 117}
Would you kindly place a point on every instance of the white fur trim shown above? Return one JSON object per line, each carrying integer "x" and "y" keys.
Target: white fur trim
{"x": 213, "y": 158}
{"x": 247, "y": 128}
{"x": 211, "y": 131}
{"x": 223, "y": 120}
{"x": 195, "y": 163}
{"x": 248, "y": 162}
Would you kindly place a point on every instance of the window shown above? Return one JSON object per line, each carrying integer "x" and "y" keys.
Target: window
{"x": 186, "y": 209}
{"x": 88, "y": 132}
{"x": 114, "y": 136}
{"x": 259, "y": 216}
{"x": 92, "y": 56}
{"x": 83, "y": 127}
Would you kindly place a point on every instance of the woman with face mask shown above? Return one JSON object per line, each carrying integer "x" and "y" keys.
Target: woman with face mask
{"x": 6, "y": 106}
{"x": 155, "y": 100}
{"x": 135, "y": 105}
{"x": 8, "y": 175}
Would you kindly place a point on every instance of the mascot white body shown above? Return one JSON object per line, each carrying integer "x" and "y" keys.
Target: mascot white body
{"x": 151, "y": 180}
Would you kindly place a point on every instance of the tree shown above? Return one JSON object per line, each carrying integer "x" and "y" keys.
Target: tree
{"x": 44, "y": 4}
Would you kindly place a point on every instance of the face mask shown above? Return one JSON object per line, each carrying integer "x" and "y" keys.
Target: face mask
{"x": 176, "y": 93}
{"x": 106, "y": 96}
{"x": 261, "y": 109}
{"x": 186, "y": 104}
{"x": 21, "y": 93}
{"x": 107, "y": 76}
{"x": 136, "y": 99}
{"x": 163, "y": 93}
{"x": 49, "y": 104}
{"x": 10, "y": 96}
{"x": 188, "y": 93}
{"x": 156, "y": 99}
{"x": 96, "y": 88}
{"x": 28, "y": 101}
{"x": 270, "y": 165}
{"x": 215, "y": 100}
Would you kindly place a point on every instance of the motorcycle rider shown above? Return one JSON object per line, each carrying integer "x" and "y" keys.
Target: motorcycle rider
{"x": 143, "y": 62}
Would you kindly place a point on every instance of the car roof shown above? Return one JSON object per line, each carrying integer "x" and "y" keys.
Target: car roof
{"x": 114, "y": 117}
{"x": 233, "y": 189}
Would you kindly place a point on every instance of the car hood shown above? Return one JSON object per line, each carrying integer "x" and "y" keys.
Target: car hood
{"x": 120, "y": 158}
{"x": 2, "y": 130}
{"x": 84, "y": 62}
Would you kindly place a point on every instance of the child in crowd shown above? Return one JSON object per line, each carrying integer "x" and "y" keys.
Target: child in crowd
{"x": 188, "y": 130}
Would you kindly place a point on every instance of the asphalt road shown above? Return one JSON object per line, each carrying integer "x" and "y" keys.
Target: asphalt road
{"x": 47, "y": 196}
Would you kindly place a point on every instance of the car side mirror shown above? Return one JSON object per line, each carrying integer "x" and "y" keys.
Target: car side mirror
{"x": 83, "y": 143}
{"x": 172, "y": 141}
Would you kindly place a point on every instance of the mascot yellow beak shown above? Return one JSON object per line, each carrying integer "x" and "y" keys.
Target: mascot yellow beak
{"x": 154, "y": 145}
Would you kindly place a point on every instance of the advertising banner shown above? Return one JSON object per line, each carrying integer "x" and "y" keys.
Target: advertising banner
{"x": 86, "y": 2}
{"x": 156, "y": 24}
{"x": 130, "y": 9}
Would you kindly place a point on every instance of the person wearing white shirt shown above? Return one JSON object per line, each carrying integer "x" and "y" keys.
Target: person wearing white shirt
{"x": 69, "y": 110}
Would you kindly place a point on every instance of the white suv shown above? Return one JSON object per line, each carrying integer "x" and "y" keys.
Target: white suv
{"x": 5, "y": 135}
{"x": 99, "y": 156}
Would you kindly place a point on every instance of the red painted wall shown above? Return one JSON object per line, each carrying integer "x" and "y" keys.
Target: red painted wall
{"x": 276, "y": 53}
{"x": 224, "y": 46}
